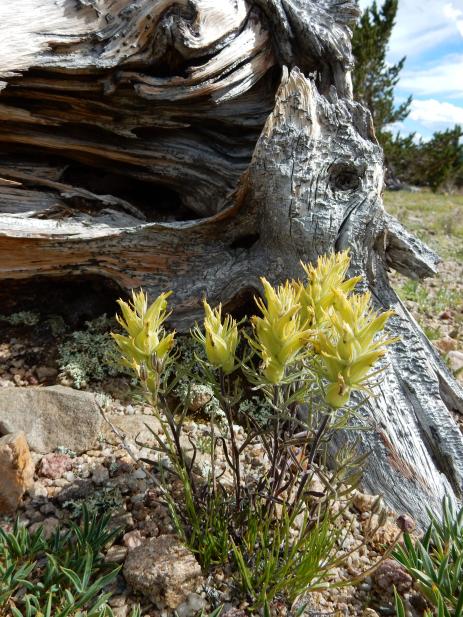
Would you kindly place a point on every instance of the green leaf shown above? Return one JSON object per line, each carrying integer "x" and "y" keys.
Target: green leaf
{"x": 74, "y": 578}
{"x": 399, "y": 605}
{"x": 301, "y": 610}
{"x": 267, "y": 612}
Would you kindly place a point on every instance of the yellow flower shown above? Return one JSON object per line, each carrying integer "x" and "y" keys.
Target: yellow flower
{"x": 350, "y": 346}
{"x": 220, "y": 339}
{"x": 146, "y": 347}
{"x": 279, "y": 335}
{"x": 323, "y": 279}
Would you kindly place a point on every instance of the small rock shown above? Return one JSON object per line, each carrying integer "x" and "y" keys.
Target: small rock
{"x": 116, "y": 553}
{"x": 445, "y": 344}
{"x": 69, "y": 476}
{"x": 38, "y": 492}
{"x": 60, "y": 482}
{"x": 363, "y": 502}
{"x": 49, "y": 525}
{"x": 46, "y": 372}
{"x": 130, "y": 410}
{"x": 445, "y": 315}
{"x": 369, "y": 612}
{"x": 118, "y": 601}
{"x": 455, "y": 360}
{"x": 199, "y": 397}
{"x": 196, "y": 602}
{"x": 233, "y": 611}
{"x": 390, "y": 573}
{"x": 387, "y": 610}
{"x": 122, "y": 520}
{"x": 16, "y": 471}
{"x": 385, "y": 536}
{"x": 164, "y": 570}
{"x": 48, "y": 508}
{"x": 366, "y": 585}
{"x": 405, "y": 523}
{"x": 192, "y": 606}
{"x": 132, "y": 539}
{"x": 100, "y": 474}
{"x": 33, "y": 515}
{"x": 79, "y": 490}
{"x": 54, "y": 465}
{"x": 51, "y": 417}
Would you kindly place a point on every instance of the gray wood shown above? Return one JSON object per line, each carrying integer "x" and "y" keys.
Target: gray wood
{"x": 195, "y": 146}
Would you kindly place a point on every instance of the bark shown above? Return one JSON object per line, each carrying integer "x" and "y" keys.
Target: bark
{"x": 196, "y": 146}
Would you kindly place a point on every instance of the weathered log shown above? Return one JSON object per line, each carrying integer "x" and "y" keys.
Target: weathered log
{"x": 166, "y": 144}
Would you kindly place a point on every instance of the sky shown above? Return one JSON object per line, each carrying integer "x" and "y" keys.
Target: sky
{"x": 430, "y": 34}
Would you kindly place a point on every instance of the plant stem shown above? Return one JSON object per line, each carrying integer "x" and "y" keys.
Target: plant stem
{"x": 311, "y": 458}
{"x": 235, "y": 451}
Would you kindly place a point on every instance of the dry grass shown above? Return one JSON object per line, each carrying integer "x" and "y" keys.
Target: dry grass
{"x": 436, "y": 303}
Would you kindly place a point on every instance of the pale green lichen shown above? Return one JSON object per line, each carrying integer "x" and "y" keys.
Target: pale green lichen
{"x": 90, "y": 354}
{"x": 259, "y": 409}
{"x": 100, "y": 501}
{"x": 22, "y": 318}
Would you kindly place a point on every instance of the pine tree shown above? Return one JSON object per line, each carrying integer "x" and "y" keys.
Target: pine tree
{"x": 373, "y": 79}
{"x": 442, "y": 159}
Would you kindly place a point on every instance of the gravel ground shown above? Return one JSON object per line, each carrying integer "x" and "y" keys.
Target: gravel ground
{"x": 108, "y": 477}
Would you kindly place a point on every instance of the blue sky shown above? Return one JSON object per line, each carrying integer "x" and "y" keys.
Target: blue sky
{"x": 430, "y": 34}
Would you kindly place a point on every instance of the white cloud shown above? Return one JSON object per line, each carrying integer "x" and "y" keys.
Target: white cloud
{"x": 417, "y": 137}
{"x": 422, "y": 25}
{"x": 444, "y": 78}
{"x": 436, "y": 114}
{"x": 428, "y": 33}
{"x": 455, "y": 14}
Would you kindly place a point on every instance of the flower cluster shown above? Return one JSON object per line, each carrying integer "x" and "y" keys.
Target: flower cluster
{"x": 322, "y": 320}
{"x": 280, "y": 335}
{"x": 324, "y": 279}
{"x": 345, "y": 328}
{"x": 322, "y": 324}
{"x": 350, "y": 346}
{"x": 219, "y": 339}
{"x": 147, "y": 346}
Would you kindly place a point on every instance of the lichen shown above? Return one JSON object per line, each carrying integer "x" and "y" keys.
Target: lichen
{"x": 90, "y": 354}
{"x": 22, "y": 318}
{"x": 102, "y": 500}
{"x": 259, "y": 409}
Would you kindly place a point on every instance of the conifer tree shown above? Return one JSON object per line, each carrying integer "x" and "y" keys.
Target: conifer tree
{"x": 441, "y": 159}
{"x": 373, "y": 79}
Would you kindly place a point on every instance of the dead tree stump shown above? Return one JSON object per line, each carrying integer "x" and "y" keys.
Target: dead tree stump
{"x": 195, "y": 146}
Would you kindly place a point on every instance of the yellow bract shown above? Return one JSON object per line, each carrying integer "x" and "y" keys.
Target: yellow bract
{"x": 220, "y": 339}
{"x": 349, "y": 346}
{"x": 323, "y": 280}
{"x": 146, "y": 347}
{"x": 280, "y": 335}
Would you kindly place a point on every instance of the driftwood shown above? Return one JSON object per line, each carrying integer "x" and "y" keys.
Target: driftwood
{"x": 197, "y": 145}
